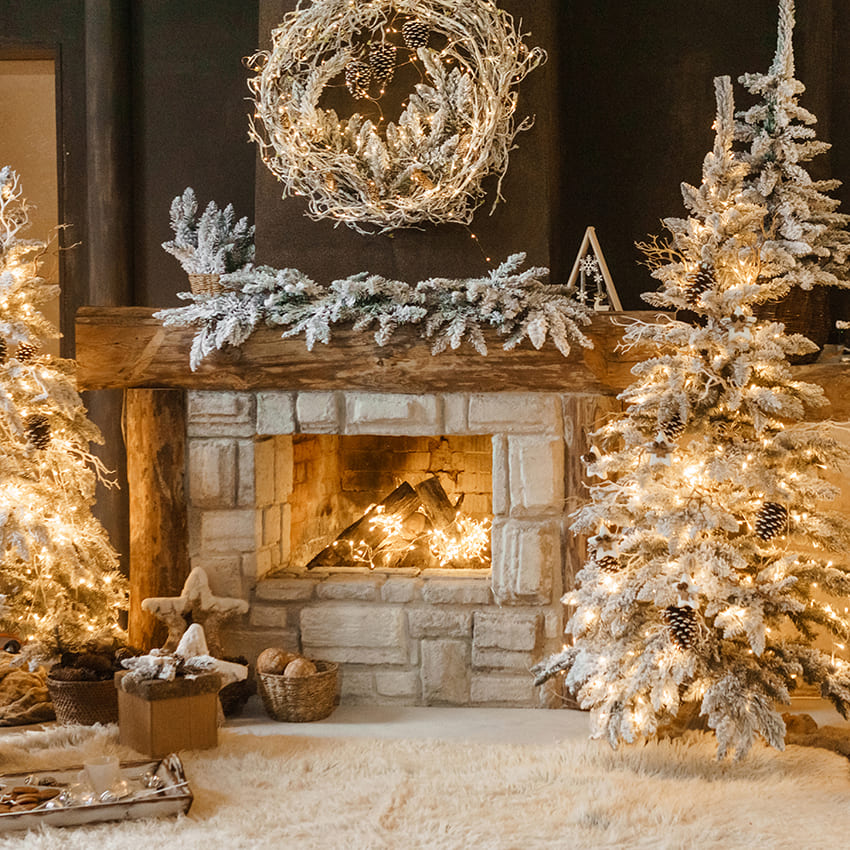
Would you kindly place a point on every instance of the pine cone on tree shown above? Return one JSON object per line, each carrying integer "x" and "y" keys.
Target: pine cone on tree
{"x": 415, "y": 34}
{"x": 609, "y": 563}
{"x": 26, "y": 351}
{"x": 673, "y": 427}
{"x": 772, "y": 520}
{"x": 358, "y": 78}
{"x": 382, "y": 62}
{"x": 699, "y": 282}
{"x": 37, "y": 429}
{"x": 682, "y": 622}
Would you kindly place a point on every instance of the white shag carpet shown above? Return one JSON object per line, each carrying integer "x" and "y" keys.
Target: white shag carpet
{"x": 298, "y": 792}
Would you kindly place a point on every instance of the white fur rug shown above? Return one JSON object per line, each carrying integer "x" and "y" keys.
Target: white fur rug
{"x": 299, "y": 792}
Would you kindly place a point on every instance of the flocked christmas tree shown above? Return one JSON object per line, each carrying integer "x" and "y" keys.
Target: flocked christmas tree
{"x": 804, "y": 238}
{"x": 712, "y": 561}
{"x": 59, "y": 582}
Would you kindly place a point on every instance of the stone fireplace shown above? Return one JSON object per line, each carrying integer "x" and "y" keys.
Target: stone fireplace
{"x": 274, "y": 476}
{"x": 249, "y": 465}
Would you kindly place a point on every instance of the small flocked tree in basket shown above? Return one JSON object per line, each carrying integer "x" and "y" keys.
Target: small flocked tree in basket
{"x": 210, "y": 245}
{"x": 59, "y": 577}
{"x": 713, "y": 561}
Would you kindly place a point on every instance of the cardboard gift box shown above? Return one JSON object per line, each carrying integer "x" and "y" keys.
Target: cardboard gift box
{"x": 156, "y": 717}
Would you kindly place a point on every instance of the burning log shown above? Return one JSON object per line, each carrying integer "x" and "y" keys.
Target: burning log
{"x": 371, "y": 530}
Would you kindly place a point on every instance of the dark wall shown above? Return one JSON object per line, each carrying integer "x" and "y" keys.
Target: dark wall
{"x": 190, "y": 125}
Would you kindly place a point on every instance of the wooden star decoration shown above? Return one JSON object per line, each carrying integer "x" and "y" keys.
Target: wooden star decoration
{"x": 196, "y": 604}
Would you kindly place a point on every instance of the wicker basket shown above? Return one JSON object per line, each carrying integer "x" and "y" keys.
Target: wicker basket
{"x": 299, "y": 700}
{"x": 84, "y": 703}
{"x": 802, "y": 311}
{"x": 205, "y": 284}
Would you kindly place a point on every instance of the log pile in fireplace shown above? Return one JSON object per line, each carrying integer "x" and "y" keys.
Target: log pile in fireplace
{"x": 412, "y": 527}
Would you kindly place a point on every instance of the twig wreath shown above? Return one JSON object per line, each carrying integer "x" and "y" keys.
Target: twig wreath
{"x": 456, "y": 128}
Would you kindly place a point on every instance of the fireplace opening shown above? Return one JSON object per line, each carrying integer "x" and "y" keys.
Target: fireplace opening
{"x": 374, "y": 502}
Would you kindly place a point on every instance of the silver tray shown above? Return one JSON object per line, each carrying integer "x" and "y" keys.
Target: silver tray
{"x": 172, "y": 798}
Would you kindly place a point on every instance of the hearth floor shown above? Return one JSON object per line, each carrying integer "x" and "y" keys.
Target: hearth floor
{"x": 490, "y": 725}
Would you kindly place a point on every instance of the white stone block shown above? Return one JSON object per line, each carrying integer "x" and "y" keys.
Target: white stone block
{"x": 283, "y": 468}
{"x": 401, "y": 589}
{"x": 460, "y": 591}
{"x": 275, "y": 413}
{"x": 271, "y": 526}
{"x": 212, "y": 473}
{"x": 224, "y": 574}
{"x": 220, "y": 414}
{"x": 553, "y": 625}
{"x": 269, "y": 616}
{"x": 356, "y": 633}
{"x": 526, "y": 557}
{"x": 438, "y": 622}
{"x": 515, "y": 413}
{"x": 503, "y": 689}
{"x": 264, "y": 472}
{"x": 317, "y": 413}
{"x": 455, "y": 407}
{"x": 398, "y": 683}
{"x": 355, "y": 685}
{"x": 536, "y": 475}
{"x": 506, "y": 629}
{"x": 393, "y": 413}
{"x": 502, "y": 659}
{"x": 245, "y": 485}
{"x": 365, "y": 587}
{"x": 229, "y": 531}
{"x": 286, "y": 589}
{"x": 500, "y": 477}
{"x": 445, "y": 672}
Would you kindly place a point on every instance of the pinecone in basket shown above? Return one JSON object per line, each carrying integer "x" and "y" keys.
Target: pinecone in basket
{"x": 358, "y": 78}
{"x": 699, "y": 282}
{"x": 682, "y": 622}
{"x": 382, "y": 62}
{"x": 26, "y": 351}
{"x": 415, "y": 34}
{"x": 772, "y": 520}
{"x": 37, "y": 430}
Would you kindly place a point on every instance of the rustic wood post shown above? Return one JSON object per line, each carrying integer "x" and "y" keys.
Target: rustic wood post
{"x": 159, "y": 552}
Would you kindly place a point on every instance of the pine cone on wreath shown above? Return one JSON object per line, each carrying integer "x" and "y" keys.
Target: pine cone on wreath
{"x": 382, "y": 62}
{"x": 699, "y": 282}
{"x": 772, "y": 520}
{"x": 26, "y": 351}
{"x": 415, "y": 34}
{"x": 682, "y": 622}
{"x": 37, "y": 429}
{"x": 358, "y": 78}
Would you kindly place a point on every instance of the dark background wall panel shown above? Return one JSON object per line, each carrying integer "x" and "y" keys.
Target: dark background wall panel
{"x": 190, "y": 123}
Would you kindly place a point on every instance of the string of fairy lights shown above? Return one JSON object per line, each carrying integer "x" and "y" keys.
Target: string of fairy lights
{"x": 455, "y": 128}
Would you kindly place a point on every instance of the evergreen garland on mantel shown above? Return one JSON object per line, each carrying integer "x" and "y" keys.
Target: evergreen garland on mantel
{"x": 516, "y": 303}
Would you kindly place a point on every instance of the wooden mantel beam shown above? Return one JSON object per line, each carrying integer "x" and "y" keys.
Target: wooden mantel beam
{"x": 126, "y": 347}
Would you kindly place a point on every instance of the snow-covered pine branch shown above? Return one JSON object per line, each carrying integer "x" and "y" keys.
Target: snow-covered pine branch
{"x": 514, "y": 302}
